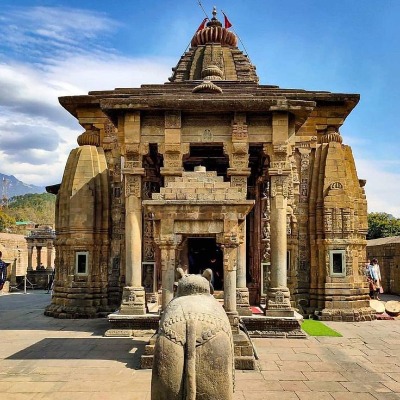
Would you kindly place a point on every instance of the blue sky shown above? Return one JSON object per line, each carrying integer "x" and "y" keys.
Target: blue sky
{"x": 56, "y": 48}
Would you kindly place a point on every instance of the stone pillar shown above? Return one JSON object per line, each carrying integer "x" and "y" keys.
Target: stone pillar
{"x": 241, "y": 269}
{"x": 168, "y": 266}
{"x": 239, "y": 171}
{"x": 278, "y": 296}
{"x": 38, "y": 256}
{"x": 133, "y": 296}
{"x": 230, "y": 267}
{"x": 242, "y": 291}
{"x": 278, "y": 304}
{"x": 30, "y": 252}
{"x": 172, "y": 148}
{"x": 49, "y": 256}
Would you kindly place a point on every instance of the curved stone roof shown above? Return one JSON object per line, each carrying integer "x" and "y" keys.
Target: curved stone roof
{"x": 214, "y": 45}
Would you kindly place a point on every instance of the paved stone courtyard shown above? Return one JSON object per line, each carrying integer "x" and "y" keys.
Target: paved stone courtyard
{"x": 46, "y": 358}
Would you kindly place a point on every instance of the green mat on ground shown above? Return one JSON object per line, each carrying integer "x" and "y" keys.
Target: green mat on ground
{"x": 317, "y": 328}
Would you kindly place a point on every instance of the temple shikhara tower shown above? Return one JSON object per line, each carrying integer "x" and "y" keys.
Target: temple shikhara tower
{"x": 211, "y": 170}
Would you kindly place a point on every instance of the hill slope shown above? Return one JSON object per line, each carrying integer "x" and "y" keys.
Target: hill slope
{"x": 11, "y": 186}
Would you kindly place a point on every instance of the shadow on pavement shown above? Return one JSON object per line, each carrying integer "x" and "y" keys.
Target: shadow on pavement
{"x": 124, "y": 350}
{"x": 19, "y": 311}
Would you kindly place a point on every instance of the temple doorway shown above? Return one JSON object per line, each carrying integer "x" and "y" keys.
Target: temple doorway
{"x": 204, "y": 253}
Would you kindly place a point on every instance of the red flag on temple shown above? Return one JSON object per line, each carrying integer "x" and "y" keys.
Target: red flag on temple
{"x": 227, "y": 22}
{"x": 202, "y": 25}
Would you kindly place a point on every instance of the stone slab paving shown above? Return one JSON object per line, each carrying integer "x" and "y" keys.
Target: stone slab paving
{"x": 46, "y": 358}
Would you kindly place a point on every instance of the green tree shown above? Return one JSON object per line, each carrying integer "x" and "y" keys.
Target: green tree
{"x": 381, "y": 225}
{"x": 39, "y": 208}
{"x": 7, "y": 223}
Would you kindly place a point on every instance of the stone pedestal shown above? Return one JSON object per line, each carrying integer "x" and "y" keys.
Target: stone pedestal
{"x": 132, "y": 325}
{"x": 243, "y": 352}
{"x": 279, "y": 303}
{"x": 242, "y": 301}
{"x": 133, "y": 301}
{"x": 275, "y": 327}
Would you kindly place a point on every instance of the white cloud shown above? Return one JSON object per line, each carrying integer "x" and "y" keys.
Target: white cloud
{"x": 43, "y": 31}
{"x": 382, "y": 189}
{"x": 31, "y": 117}
{"x": 48, "y": 53}
{"x": 109, "y": 72}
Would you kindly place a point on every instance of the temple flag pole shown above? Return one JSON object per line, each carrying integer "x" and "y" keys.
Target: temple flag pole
{"x": 201, "y": 6}
{"x": 228, "y": 24}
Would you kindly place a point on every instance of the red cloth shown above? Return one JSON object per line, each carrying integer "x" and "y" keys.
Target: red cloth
{"x": 227, "y": 22}
{"x": 202, "y": 25}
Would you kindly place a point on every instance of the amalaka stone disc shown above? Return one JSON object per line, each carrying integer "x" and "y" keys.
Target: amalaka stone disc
{"x": 393, "y": 308}
{"x": 377, "y": 305}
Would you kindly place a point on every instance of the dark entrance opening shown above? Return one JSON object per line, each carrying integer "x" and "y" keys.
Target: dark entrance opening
{"x": 208, "y": 155}
{"x": 204, "y": 253}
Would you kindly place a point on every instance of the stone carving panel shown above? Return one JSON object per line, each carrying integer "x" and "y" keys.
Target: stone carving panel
{"x": 279, "y": 186}
{"x": 265, "y": 221}
{"x": 239, "y": 181}
{"x": 239, "y": 132}
{"x": 304, "y": 172}
{"x": 173, "y": 119}
{"x": 132, "y": 185}
{"x": 208, "y": 135}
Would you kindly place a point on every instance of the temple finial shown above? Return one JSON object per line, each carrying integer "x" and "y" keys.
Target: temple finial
{"x": 214, "y": 12}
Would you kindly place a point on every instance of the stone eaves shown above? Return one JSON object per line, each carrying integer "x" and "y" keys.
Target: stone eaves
{"x": 236, "y": 96}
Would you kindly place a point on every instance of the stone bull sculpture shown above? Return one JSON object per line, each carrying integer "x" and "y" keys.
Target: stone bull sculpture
{"x": 193, "y": 355}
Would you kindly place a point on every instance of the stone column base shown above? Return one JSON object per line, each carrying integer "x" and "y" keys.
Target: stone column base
{"x": 278, "y": 303}
{"x": 133, "y": 301}
{"x": 233, "y": 317}
{"x": 242, "y": 301}
{"x": 275, "y": 327}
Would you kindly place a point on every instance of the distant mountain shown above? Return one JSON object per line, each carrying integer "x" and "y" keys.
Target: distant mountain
{"x": 10, "y": 186}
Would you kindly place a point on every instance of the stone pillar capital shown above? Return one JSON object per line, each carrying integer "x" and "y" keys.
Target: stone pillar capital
{"x": 133, "y": 185}
{"x": 279, "y": 186}
{"x": 130, "y": 170}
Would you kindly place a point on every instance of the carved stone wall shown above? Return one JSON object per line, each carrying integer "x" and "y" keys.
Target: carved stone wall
{"x": 337, "y": 212}
{"x": 82, "y": 226}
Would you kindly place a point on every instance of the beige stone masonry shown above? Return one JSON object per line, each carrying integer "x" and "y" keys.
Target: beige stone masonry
{"x": 191, "y": 186}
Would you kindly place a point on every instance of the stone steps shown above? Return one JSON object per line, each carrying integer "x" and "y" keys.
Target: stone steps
{"x": 243, "y": 353}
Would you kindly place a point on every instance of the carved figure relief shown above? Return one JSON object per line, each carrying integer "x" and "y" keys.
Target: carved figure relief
{"x": 207, "y": 135}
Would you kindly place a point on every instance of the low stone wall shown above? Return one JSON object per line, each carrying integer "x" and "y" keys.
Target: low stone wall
{"x": 387, "y": 251}
{"x": 15, "y": 252}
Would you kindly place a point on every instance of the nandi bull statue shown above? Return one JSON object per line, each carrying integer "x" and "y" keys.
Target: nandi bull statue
{"x": 193, "y": 355}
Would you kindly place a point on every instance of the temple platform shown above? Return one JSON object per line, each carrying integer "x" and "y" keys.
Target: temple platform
{"x": 253, "y": 326}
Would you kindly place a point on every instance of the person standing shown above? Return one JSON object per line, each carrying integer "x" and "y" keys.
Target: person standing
{"x": 376, "y": 276}
{"x": 371, "y": 285}
{"x": 3, "y": 271}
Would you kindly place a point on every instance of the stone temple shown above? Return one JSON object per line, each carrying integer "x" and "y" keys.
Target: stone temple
{"x": 211, "y": 170}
